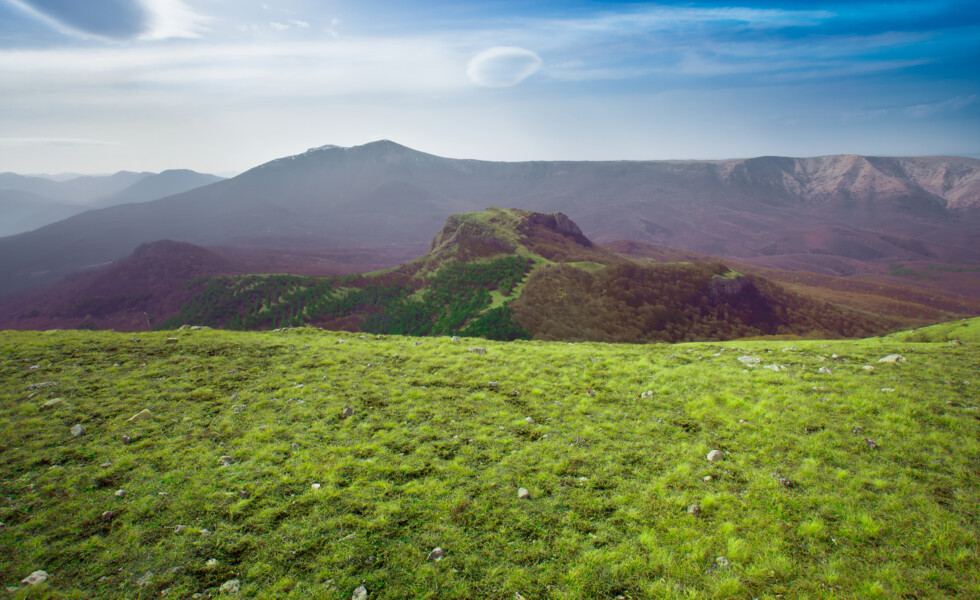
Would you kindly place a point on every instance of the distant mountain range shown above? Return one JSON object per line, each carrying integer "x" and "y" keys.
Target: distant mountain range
{"x": 831, "y": 215}
{"x": 27, "y": 203}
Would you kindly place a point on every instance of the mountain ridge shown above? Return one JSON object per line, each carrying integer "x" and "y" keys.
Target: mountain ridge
{"x": 383, "y": 193}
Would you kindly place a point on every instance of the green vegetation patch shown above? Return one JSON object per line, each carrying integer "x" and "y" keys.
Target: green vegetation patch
{"x": 842, "y": 476}
{"x": 452, "y": 300}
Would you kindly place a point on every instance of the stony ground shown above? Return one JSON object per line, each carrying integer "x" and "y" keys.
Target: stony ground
{"x": 307, "y": 464}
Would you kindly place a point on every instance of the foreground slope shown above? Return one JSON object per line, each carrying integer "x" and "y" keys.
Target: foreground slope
{"x": 829, "y": 214}
{"x": 837, "y": 481}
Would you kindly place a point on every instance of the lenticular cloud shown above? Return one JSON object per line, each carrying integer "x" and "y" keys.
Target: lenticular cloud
{"x": 502, "y": 66}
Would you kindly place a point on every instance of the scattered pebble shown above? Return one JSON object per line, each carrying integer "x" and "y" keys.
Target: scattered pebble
{"x": 824, "y": 370}
{"x": 523, "y": 494}
{"x": 35, "y": 578}
{"x": 211, "y": 563}
{"x": 126, "y": 439}
{"x": 716, "y": 455}
{"x": 347, "y": 413}
{"x": 120, "y": 494}
{"x": 315, "y": 486}
{"x": 530, "y": 421}
{"x": 868, "y": 368}
{"x": 224, "y": 461}
{"x": 478, "y": 350}
{"x": 77, "y": 430}
{"x": 232, "y": 586}
{"x": 53, "y": 403}
{"x": 108, "y": 515}
{"x": 437, "y": 554}
{"x": 708, "y": 478}
{"x": 721, "y": 561}
{"x": 892, "y": 358}
{"x": 694, "y": 510}
{"x": 360, "y": 593}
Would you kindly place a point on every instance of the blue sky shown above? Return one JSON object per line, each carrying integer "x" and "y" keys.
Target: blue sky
{"x": 223, "y": 85}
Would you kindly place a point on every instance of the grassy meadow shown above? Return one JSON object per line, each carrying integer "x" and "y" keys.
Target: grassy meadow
{"x": 838, "y": 480}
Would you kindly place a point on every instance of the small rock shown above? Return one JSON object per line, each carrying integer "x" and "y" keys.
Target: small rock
{"x": 892, "y": 358}
{"x": 694, "y": 510}
{"x": 224, "y": 461}
{"x": 53, "y": 403}
{"x": 523, "y": 494}
{"x": 232, "y": 586}
{"x": 347, "y": 413}
{"x": 145, "y": 579}
{"x": 478, "y": 350}
{"x": 108, "y": 516}
{"x": 120, "y": 494}
{"x": 211, "y": 563}
{"x": 360, "y": 593}
{"x": 887, "y": 389}
{"x": 143, "y": 415}
{"x": 716, "y": 455}
{"x": 708, "y": 478}
{"x": 180, "y": 528}
{"x": 749, "y": 361}
{"x": 955, "y": 343}
{"x": 315, "y": 486}
{"x": 530, "y": 421}
{"x": 35, "y": 578}
{"x": 455, "y": 340}
{"x": 437, "y": 554}
{"x": 868, "y": 368}
{"x": 77, "y": 430}
{"x": 126, "y": 439}
{"x": 824, "y": 370}
{"x": 647, "y": 394}
{"x": 721, "y": 561}
{"x": 106, "y": 464}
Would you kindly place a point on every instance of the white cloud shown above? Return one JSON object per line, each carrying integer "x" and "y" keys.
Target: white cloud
{"x": 300, "y": 24}
{"x": 278, "y": 26}
{"x": 502, "y": 66}
{"x": 172, "y": 19}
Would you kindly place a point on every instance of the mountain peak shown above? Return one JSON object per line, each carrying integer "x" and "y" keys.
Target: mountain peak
{"x": 552, "y": 236}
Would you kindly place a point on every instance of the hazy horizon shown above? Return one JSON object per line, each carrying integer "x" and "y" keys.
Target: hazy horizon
{"x": 150, "y": 85}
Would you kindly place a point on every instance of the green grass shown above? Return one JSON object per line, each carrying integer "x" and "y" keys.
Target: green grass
{"x": 438, "y": 447}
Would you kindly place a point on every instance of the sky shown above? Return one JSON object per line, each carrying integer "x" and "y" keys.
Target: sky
{"x": 221, "y": 86}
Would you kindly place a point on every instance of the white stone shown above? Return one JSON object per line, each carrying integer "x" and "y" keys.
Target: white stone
{"x": 892, "y": 358}
{"x": 716, "y": 455}
{"x": 523, "y": 494}
{"x": 35, "y": 578}
{"x": 232, "y": 586}
{"x": 437, "y": 554}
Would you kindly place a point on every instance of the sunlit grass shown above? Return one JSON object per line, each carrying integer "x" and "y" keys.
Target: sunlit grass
{"x": 830, "y": 487}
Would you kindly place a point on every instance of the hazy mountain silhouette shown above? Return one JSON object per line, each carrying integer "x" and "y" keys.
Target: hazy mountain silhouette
{"x": 827, "y": 214}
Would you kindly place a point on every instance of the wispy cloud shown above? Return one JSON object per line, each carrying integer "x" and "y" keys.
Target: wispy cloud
{"x": 928, "y": 109}
{"x": 118, "y": 19}
{"x": 502, "y": 66}
{"x": 52, "y": 141}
